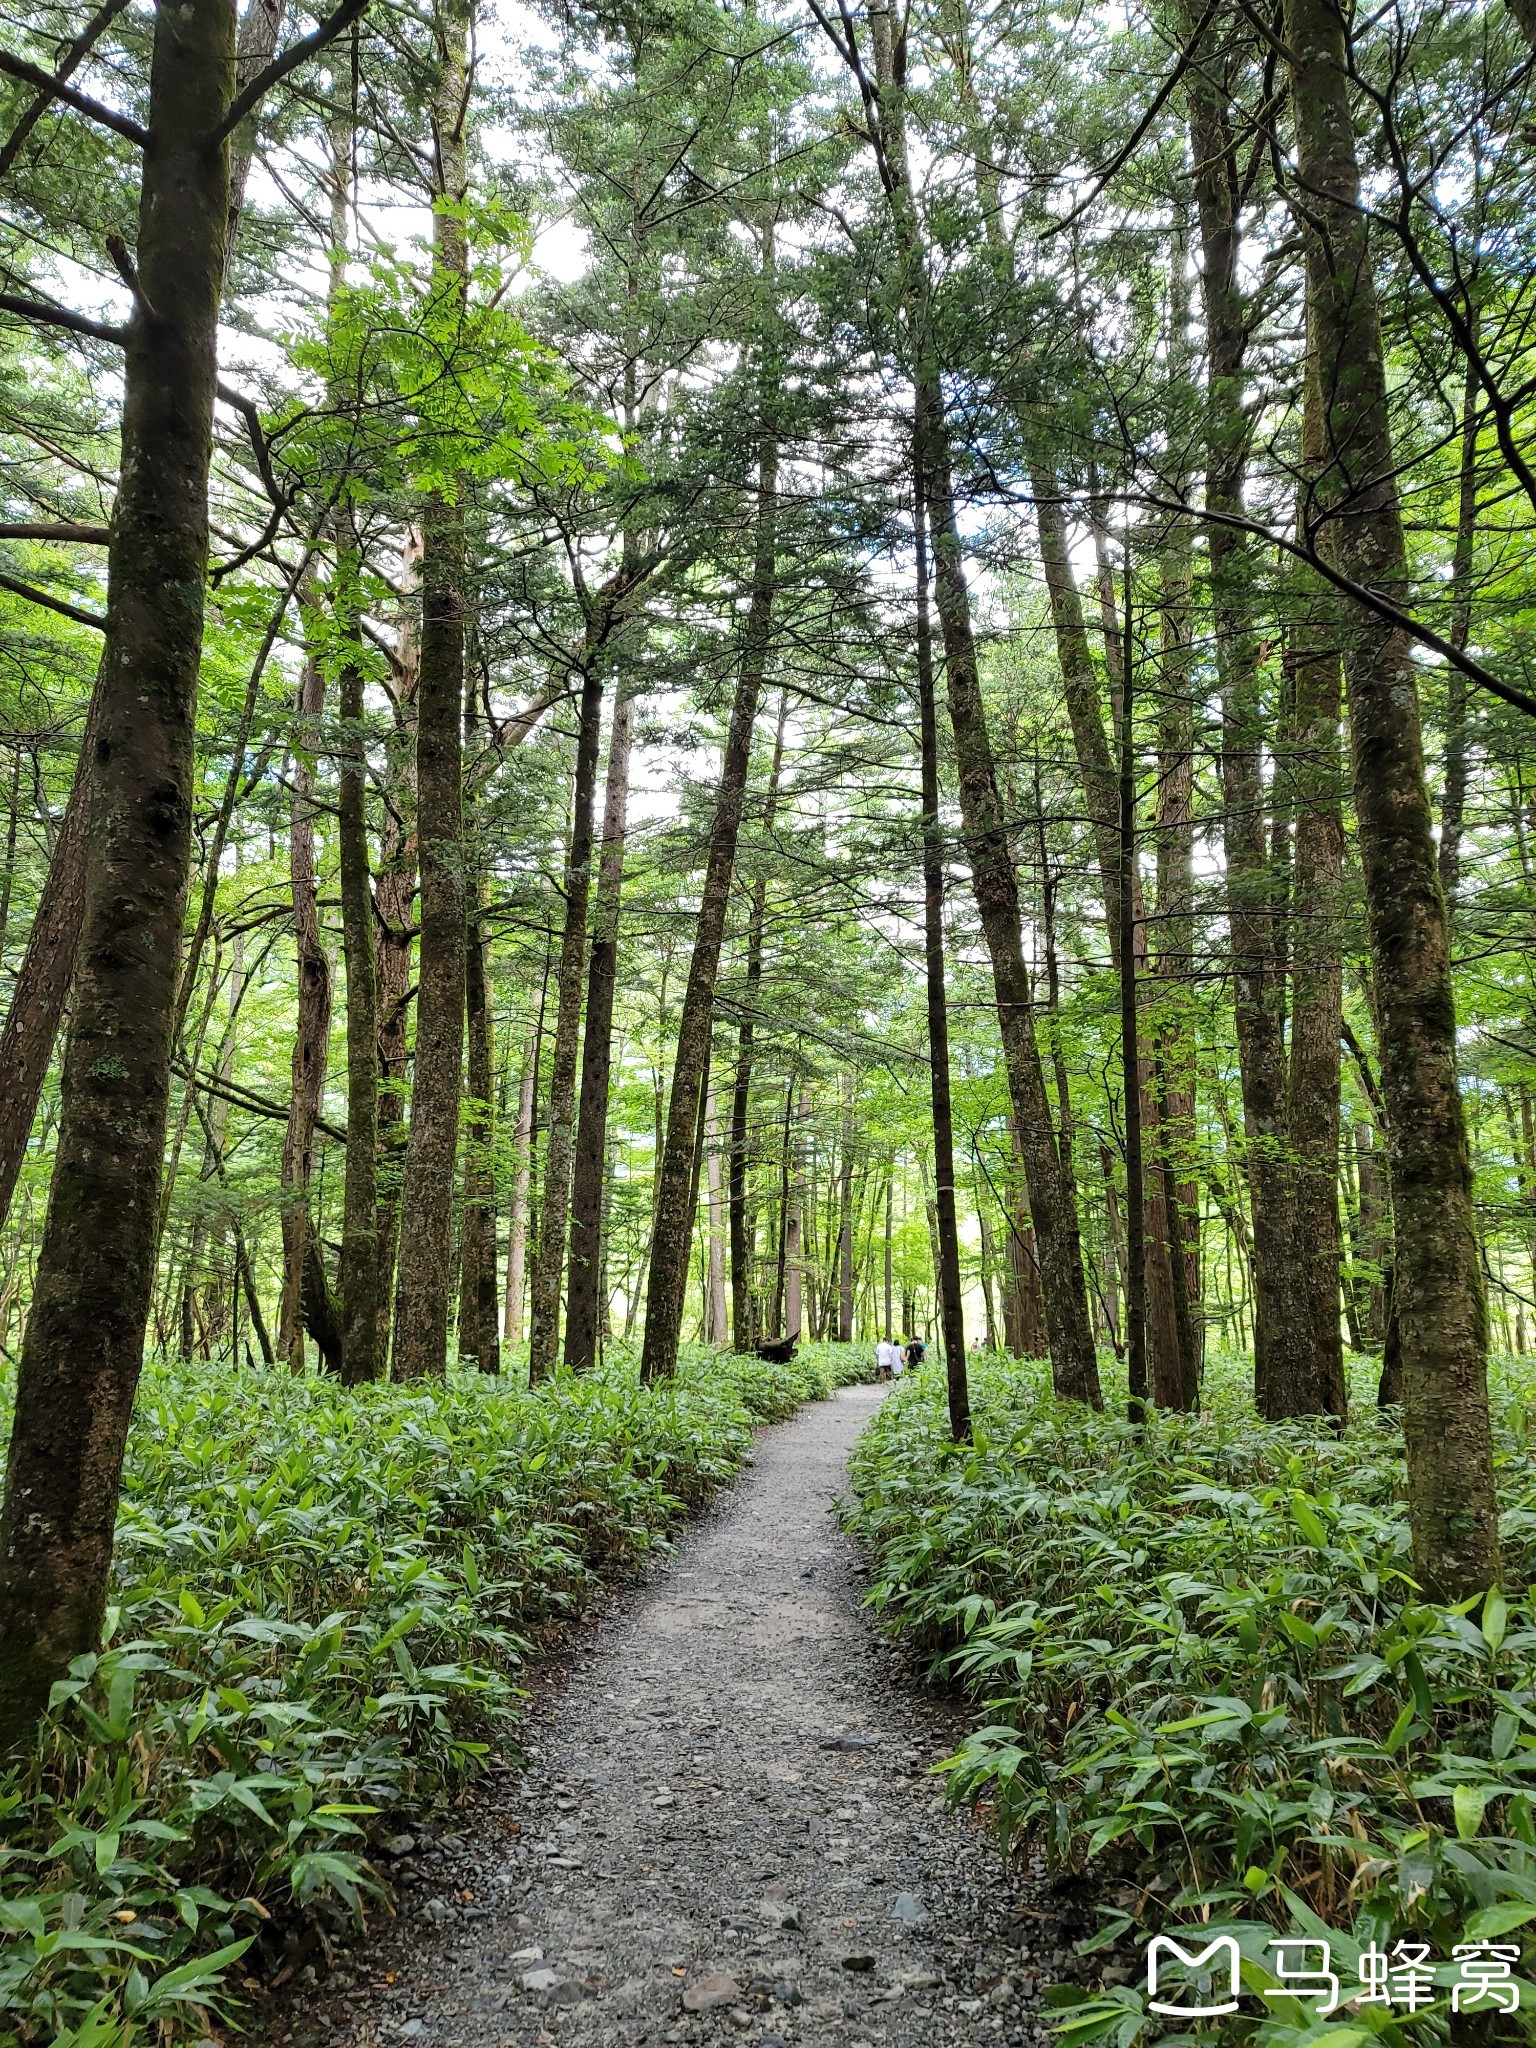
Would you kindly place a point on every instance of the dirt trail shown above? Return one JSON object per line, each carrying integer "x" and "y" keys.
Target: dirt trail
{"x": 727, "y": 1807}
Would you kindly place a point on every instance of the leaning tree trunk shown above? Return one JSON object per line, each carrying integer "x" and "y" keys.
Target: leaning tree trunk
{"x": 43, "y": 978}
{"x": 1441, "y": 1312}
{"x": 584, "y": 1287}
{"x": 672, "y": 1241}
{"x": 1172, "y": 1351}
{"x": 84, "y": 1341}
{"x": 994, "y": 881}
{"x": 424, "y": 1281}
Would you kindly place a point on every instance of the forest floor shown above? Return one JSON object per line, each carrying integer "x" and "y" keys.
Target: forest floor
{"x": 725, "y": 1829}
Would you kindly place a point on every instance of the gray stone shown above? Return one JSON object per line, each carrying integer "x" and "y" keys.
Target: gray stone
{"x": 909, "y": 1910}
{"x": 712, "y": 1992}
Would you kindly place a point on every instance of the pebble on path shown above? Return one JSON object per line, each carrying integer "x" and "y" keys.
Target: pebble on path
{"x": 727, "y": 1830}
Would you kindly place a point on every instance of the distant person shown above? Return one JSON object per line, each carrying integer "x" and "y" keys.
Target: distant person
{"x": 917, "y": 1351}
{"x": 885, "y": 1359}
{"x": 898, "y": 1357}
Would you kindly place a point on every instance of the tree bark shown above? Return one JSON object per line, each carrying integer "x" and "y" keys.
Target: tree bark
{"x": 424, "y": 1278}
{"x": 1441, "y": 1312}
{"x": 584, "y": 1289}
{"x": 85, "y": 1334}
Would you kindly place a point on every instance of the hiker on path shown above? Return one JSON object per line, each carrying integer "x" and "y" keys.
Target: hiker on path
{"x": 886, "y": 1356}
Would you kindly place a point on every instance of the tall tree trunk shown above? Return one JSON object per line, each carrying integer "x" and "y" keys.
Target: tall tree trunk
{"x": 1174, "y": 1049}
{"x": 85, "y": 1334}
{"x": 716, "y": 1325}
{"x": 359, "y": 1276}
{"x": 845, "y": 1234}
{"x": 672, "y": 1242}
{"x": 394, "y": 895}
{"x": 312, "y": 1029}
{"x": 517, "y": 1215}
{"x": 1441, "y": 1311}
{"x": 794, "y": 1220}
{"x": 1317, "y": 984}
{"x": 42, "y": 982}
{"x": 947, "y": 1228}
{"x": 1130, "y": 1070}
{"x": 424, "y": 1276}
{"x": 479, "y": 1333}
{"x": 745, "y": 1312}
{"x": 993, "y": 879}
{"x": 890, "y": 1190}
{"x": 559, "y": 1147}
{"x": 479, "y": 1328}
{"x": 584, "y": 1293}
{"x": 1255, "y": 995}
{"x": 1454, "y": 804}
{"x": 1173, "y": 1365}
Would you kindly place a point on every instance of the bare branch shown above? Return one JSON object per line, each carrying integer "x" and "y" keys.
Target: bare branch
{"x": 80, "y": 48}
{"x": 60, "y": 605}
{"x": 60, "y": 316}
{"x": 61, "y": 530}
{"x": 56, "y": 89}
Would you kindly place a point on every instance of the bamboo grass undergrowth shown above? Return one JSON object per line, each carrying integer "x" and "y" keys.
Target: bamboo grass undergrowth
{"x": 323, "y": 1601}
{"x": 1205, "y": 1677}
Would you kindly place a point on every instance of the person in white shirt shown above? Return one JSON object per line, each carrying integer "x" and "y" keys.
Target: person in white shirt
{"x": 898, "y": 1360}
{"x": 886, "y": 1355}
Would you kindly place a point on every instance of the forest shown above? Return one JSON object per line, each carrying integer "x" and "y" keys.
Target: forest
{"x": 683, "y": 686}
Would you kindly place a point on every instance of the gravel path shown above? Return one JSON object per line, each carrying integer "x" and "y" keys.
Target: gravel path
{"x": 726, "y": 1830}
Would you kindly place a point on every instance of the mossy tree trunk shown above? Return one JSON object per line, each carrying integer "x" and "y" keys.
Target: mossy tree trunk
{"x": 85, "y": 1334}
{"x": 1439, "y": 1302}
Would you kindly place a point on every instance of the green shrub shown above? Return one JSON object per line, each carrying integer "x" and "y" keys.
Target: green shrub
{"x": 323, "y": 1598}
{"x": 1202, "y": 1666}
